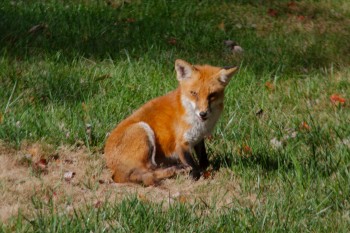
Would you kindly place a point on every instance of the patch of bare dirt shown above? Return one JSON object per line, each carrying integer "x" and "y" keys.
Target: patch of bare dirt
{"x": 73, "y": 177}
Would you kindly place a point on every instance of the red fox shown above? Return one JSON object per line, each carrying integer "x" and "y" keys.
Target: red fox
{"x": 149, "y": 145}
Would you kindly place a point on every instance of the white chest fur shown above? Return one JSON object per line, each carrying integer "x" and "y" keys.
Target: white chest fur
{"x": 198, "y": 128}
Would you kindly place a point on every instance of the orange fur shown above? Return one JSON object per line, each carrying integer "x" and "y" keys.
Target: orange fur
{"x": 147, "y": 146}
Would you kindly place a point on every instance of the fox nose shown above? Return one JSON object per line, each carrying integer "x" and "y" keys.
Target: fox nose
{"x": 203, "y": 114}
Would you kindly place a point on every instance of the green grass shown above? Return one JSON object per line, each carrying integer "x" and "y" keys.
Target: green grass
{"x": 94, "y": 63}
{"x": 133, "y": 215}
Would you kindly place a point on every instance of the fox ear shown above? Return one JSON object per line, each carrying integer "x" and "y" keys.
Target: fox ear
{"x": 226, "y": 74}
{"x": 183, "y": 69}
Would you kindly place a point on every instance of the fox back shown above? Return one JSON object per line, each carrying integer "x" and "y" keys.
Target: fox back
{"x": 159, "y": 138}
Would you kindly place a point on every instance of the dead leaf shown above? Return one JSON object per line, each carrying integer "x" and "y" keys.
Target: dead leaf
{"x": 233, "y": 46}
{"x": 98, "y": 204}
{"x": 83, "y": 105}
{"x": 114, "y": 3}
{"x": 172, "y": 41}
{"x": 337, "y": 99}
{"x": 292, "y": 6}
{"x": 68, "y": 176}
{"x": 37, "y": 28}
{"x": 182, "y": 199}
{"x": 272, "y": 12}
{"x": 237, "y": 49}
{"x": 276, "y": 144}
{"x": 207, "y": 174}
{"x": 304, "y": 126}
{"x": 230, "y": 43}
{"x": 238, "y": 25}
{"x": 221, "y": 26}
{"x": 40, "y": 167}
{"x": 269, "y": 86}
{"x": 42, "y": 163}
{"x": 209, "y": 137}
{"x": 1, "y": 118}
{"x": 179, "y": 197}
{"x": 142, "y": 197}
{"x": 247, "y": 150}
{"x": 290, "y": 134}
{"x": 130, "y": 20}
{"x": 301, "y": 17}
{"x": 35, "y": 151}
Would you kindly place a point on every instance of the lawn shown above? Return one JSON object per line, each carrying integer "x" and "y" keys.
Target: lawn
{"x": 280, "y": 154}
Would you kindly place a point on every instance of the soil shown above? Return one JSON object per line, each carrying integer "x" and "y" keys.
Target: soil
{"x": 73, "y": 177}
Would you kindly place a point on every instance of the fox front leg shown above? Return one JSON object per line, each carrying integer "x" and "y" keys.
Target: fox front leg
{"x": 202, "y": 155}
{"x": 187, "y": 160}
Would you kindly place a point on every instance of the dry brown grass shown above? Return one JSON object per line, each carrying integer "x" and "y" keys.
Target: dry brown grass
{"x": 37, "y": 171}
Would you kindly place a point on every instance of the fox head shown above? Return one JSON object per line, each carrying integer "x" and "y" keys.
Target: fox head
{"x": 202, "y": 87}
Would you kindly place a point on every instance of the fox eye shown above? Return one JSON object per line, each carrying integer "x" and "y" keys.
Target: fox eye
{"x": 193, "y": 93}
{"x": 212, "y": 96}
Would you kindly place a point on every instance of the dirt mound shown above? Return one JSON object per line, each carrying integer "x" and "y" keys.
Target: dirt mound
{"x": 72, "y": 177}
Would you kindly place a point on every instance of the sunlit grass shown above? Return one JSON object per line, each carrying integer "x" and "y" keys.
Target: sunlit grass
{"x": 93, "y": 64}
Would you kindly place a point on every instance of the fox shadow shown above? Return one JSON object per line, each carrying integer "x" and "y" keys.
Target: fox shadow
{"x": 271, "y": 162}
{"x": 265, "y": 161}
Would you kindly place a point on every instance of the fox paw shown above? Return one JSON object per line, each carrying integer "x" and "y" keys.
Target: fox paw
{"x": 195, "y": 174}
